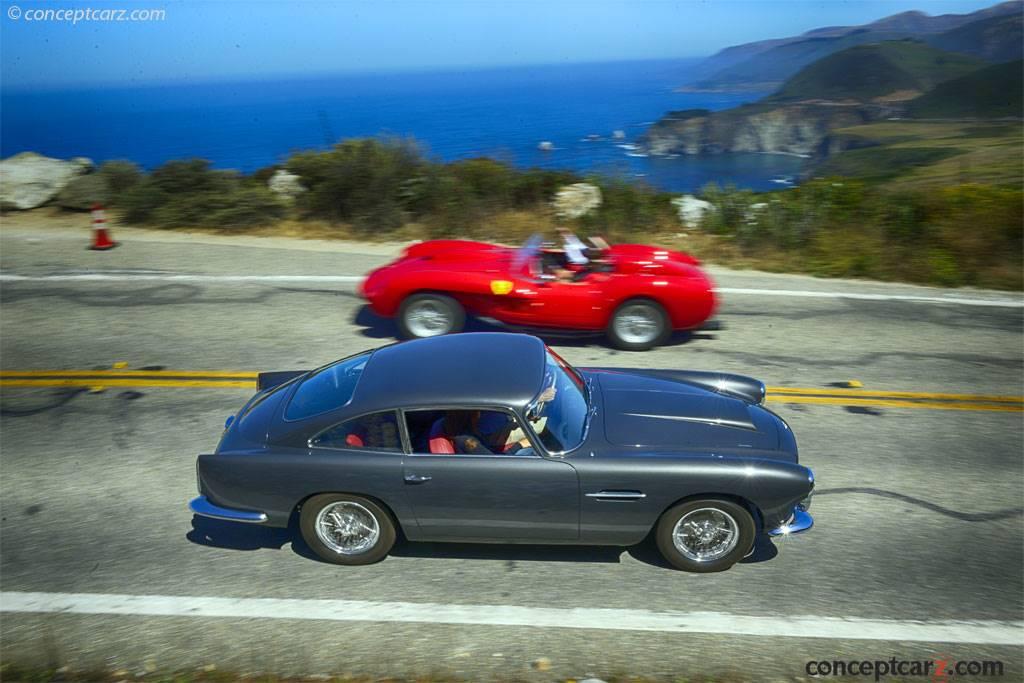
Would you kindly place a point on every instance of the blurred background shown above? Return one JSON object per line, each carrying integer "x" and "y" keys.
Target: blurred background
{"x": 879, "y": 138}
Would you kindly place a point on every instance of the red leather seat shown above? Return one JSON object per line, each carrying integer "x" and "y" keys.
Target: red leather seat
{"x": 355, "y": 441}
{"x": 438, "y": 442}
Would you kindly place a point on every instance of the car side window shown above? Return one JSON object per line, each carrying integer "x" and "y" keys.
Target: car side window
{"x": 375, "y": 432}
{"x": 466, "y": 432}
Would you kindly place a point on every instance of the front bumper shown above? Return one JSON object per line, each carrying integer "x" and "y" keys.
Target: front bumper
{"x": 204, "y": 508}
{"x": 798, "y": 522}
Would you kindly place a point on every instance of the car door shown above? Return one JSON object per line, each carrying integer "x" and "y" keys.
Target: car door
{"x": 491, "y": 497}
{"x": 554, "y": 303}
{"x": 582, "y": 303}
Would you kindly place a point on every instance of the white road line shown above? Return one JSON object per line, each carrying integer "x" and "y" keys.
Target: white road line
{"x": 740, "y": 291}
{"x": 1004, "y": 303}
{"x": 170, "y": 277}
{"x": 980, "y": 632}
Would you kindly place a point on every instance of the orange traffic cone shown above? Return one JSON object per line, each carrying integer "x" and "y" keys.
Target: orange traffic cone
{"x": 100, "y": 238}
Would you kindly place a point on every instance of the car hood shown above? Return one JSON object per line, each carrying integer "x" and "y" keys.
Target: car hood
{"x": 462, "y": 254}
{"x": 644, "y": 411}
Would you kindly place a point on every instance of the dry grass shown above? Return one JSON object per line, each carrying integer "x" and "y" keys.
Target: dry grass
{"x": 981, "y": 152}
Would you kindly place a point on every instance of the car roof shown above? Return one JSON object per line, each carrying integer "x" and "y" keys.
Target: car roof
{"x": 485, "y": 368}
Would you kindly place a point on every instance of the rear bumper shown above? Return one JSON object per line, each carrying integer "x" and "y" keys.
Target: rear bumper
{"x": 204, "y": 508}
{"x": 799, "y": 522}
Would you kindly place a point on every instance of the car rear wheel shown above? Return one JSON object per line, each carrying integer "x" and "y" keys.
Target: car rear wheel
{"x": 638, "y": 325}
{"x": 346, "y": 529}
{"x": 705, "y": 535}
{"x": 430, "y": 315}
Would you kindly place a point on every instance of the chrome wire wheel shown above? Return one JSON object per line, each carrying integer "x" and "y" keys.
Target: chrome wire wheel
{"x": 347, "y": 528}
{"x": 705, "y": 534}
{"x": 638, "y": 323}
{"x": 428, "y": 318}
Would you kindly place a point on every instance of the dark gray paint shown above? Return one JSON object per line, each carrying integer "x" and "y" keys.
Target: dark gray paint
{"x": 265, "y": 464}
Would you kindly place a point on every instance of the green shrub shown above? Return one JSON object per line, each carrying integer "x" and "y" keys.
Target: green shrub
{"x": 83, "y": 192}
{"x": 120, "y": 176}
{"x": 358, "y": 181}
{"x": 191, "y": 194}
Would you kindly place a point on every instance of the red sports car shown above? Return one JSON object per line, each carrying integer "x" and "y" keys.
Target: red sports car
{"x": 637, "y": 294}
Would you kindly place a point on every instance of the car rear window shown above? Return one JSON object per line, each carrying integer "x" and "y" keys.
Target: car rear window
{"x": 328, "y": 388}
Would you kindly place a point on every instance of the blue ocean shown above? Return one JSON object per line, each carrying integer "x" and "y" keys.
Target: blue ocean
{"x": 500, "y": 113}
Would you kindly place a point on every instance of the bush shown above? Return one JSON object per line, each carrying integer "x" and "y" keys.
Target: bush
{"x": 360, "y": 181}
{"x": 83, "y": 191}
{"x": 120, "y": 177}
{"x": 191, "y": 194}
{"x": 964, "y": 235}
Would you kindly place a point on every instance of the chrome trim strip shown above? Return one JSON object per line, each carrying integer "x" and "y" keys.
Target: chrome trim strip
{"x": 716, "y": 421}
{"x": 617, "y": 495}
{"x": 204, "y": 508}
{"x": 799, "y": 522}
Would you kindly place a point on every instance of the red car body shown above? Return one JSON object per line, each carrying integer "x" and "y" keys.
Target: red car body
{"x": 503, "y": 283}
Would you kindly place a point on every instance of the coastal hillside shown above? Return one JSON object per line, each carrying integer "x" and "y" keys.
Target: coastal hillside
{"x": 866, "y": 73}
{"x": 857, "y": 86}
{"x": 992, "y": 34}
{"x": 996, "y": 39}
{"x": 992, "y": 92}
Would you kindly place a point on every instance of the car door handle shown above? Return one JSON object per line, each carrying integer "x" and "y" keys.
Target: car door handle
{"x": 416, "y": 478}
{"x": 617, "y": 495}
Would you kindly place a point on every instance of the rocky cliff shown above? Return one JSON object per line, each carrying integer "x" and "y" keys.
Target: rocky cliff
{"x": 800, "y": 128}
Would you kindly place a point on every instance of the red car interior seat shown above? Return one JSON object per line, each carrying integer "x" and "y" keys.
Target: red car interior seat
{"x": 438, "y": 442}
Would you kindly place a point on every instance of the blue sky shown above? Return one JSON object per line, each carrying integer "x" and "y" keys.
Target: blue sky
{"x": 210, "y": 41}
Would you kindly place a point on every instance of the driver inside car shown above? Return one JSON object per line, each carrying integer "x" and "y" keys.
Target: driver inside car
{"x": 579, "y": 259}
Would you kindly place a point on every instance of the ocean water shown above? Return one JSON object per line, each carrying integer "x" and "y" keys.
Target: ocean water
{"x": 500, "y": 113}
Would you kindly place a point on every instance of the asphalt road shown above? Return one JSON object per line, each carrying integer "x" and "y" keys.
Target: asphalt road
{"x": 93, "y": 486}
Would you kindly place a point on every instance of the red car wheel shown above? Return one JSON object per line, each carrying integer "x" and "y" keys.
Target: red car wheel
{"x": 430, "y": 315}
{"x": 638, "y": 325}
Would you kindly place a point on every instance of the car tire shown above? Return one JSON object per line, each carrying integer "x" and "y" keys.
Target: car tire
{"x": 638, "y": 325}
{"x": 324, "y": 519}
{"x": 430, "y": 315}
{"x": 724, "y": 549}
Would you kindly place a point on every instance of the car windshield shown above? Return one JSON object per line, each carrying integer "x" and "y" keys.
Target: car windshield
{"x": 525, "y": 256}
{"x": 559, "y": 414}
{"x": 327, "y": 388}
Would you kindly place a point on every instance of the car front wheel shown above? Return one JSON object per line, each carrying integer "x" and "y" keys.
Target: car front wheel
{"x": 346, "y": 529}
{"x": 638, "y": 325}
{"x": 430, "y": 315}
{"x": 705, "y": 535}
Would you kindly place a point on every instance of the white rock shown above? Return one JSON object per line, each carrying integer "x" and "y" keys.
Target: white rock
{"x": 573, "y": 201}
{"x": 28, "y": 180}
{"x": 691, "y": 210}
{"x": 753, "y": 212}
{"x": 285, "y": 184}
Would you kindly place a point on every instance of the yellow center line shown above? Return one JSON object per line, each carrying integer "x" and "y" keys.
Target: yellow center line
{"x": 126, "y": 382}
{"x": 896, "y": 403}
{"x": 808, "y": 391}
{"x": 4, "y": 374}
{"x": 240, "y": 379}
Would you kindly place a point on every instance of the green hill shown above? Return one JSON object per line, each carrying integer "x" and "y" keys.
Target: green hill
{"x": 993, "y": 92}
{"x": 992, "y": 34}
{"x": 996, "y": 39}
{"x": 867, "y": 72}
{"x": 775, "y": 65}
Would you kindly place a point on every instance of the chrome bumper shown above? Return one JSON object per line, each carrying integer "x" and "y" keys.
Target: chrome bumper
{"x": 204, "y": 508}
{"x": 798, "y": 522}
